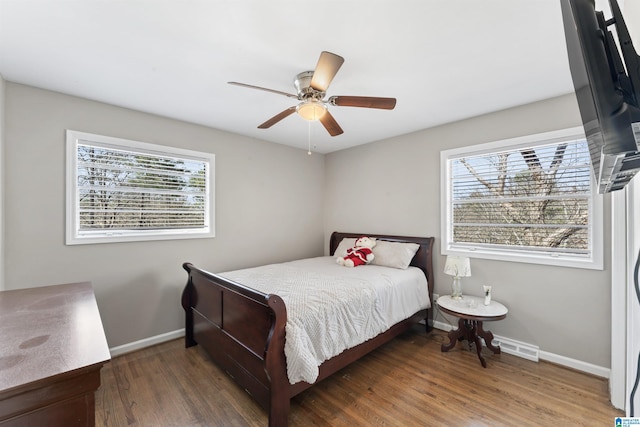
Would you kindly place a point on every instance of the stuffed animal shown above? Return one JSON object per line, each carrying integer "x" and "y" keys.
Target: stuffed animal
{"x": 360, "y": 254}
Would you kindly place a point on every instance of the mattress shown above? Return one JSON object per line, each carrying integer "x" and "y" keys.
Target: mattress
{"x": 331, "y": 308}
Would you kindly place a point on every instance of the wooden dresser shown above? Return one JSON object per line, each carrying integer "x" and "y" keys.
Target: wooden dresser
{"x": 52, "y": 347}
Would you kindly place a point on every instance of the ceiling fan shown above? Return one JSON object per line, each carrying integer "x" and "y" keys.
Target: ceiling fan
{"x": 311, "y": 87}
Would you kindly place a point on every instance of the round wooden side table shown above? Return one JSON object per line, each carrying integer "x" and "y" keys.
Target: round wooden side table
{"x": 471, "y": 312}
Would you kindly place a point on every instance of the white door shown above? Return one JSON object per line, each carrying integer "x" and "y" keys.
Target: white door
{"x": 633, "y": 303}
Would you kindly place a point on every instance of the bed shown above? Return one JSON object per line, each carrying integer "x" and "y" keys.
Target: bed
{"x": 243, "y": 329}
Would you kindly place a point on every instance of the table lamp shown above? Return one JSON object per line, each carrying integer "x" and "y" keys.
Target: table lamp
{"x": 457, "y": 266}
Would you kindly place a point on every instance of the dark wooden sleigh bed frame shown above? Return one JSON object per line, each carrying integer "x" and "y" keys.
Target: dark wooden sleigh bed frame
{"x": 243, "y": 330}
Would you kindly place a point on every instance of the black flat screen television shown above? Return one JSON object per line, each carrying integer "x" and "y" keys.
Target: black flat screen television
{"x": 607, "y": 87}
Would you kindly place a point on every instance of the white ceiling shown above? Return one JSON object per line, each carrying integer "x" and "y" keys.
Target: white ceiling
{"x": 443, "y": 60}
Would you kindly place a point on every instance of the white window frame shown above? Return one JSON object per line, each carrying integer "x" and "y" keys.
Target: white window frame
{"x": 593, "y": 260}
{"x": 75, "y": 236}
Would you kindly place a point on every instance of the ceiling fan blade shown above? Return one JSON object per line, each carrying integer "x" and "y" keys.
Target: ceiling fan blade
{"x": 275, "y": 119}
{"x": 326, "y": 69}
{"x": 330, "y": 124}
{"x": 363, "y": 101}
{"x": 290, "y": 95}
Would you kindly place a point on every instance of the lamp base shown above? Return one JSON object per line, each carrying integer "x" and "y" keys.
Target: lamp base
{"x": 456, "y": 288}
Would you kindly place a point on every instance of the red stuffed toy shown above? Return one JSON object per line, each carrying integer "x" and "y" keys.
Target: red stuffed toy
{"x": 360, "y": 254}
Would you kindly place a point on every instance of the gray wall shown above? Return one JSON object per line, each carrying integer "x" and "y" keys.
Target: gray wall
{"x": 565, "y": 311}
{"x": 268, "y": 208}
{"x": 276, "y": 203}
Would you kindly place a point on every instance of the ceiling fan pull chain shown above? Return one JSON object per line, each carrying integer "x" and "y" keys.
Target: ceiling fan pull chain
{"x": 309, "y": 138}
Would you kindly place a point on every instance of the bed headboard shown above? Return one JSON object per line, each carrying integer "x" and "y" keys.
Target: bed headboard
{"x": 423, "y": 259}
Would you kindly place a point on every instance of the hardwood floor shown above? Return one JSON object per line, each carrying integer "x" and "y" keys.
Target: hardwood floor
{"x": 407, "y": 382}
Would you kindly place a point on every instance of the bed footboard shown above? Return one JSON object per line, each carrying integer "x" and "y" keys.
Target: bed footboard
{"x": 243, "y": 331}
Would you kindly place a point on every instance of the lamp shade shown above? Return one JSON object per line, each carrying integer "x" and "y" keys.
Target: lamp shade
{"x": 458, "y": 266}
{"x": 311, "y": 110}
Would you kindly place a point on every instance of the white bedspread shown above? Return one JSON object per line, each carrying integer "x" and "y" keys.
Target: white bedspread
{"x": 331, "y": 308}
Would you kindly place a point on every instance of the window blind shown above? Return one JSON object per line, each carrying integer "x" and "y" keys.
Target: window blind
{"x": 533, "y": 198}
{"x": 128, "y": 190}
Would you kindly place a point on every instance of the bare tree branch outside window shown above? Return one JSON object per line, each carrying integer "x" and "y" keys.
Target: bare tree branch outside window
{"x": 534, "y": 198}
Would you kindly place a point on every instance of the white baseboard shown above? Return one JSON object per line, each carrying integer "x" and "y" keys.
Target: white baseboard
{"x": 533, "y": 353}
{"x": 147, "y": 342}
{"x": 509, "y": 346}
{"x": 579, "y": 365}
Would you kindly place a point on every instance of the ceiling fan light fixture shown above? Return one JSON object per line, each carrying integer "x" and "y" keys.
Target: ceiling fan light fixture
{"x": 311, "y": 110}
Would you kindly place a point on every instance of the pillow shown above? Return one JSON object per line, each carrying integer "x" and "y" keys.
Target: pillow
{"x": 394, "y": 254}
{"x": 344, "y": 244}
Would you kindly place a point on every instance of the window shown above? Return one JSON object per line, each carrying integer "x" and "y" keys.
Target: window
{"x": 528, "y": 199}
{"x": 120, "y": 190}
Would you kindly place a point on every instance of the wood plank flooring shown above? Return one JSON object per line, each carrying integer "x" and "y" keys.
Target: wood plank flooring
{"x": 407, "y": 382}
